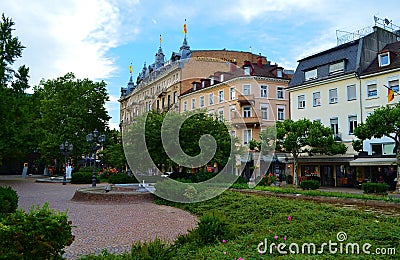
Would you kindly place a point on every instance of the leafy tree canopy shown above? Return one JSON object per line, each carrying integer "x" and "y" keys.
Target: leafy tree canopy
{"x": 70, "y": 108}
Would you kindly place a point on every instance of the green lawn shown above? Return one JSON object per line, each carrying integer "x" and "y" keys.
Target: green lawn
{"x": 251, "y": 219}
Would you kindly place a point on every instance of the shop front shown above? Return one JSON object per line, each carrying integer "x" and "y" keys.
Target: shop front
{"x": 376, "y": 169}
{"x": 329, "y": 171}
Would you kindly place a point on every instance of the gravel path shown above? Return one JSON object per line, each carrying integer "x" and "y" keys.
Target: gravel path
{"x": 103, "y": 226}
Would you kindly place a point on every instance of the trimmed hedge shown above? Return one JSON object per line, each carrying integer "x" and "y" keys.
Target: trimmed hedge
{"x": 40, "y": 233}
{"x": 373, "y": 187}
{"x": 83, "y": 178}
{"x": 122, "y": 178}
{"x": 8, "y": 200}
{"x": 309, "y": 185}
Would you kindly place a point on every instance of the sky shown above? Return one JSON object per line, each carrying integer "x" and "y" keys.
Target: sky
{"x": 99, "y": 39}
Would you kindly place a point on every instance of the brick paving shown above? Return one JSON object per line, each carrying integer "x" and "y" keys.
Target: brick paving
{"x": 102, "y": 226}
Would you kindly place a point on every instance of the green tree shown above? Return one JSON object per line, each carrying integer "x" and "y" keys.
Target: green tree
{"x": 113, "y": 153}
{"x": 299, "y": 137}
{"x": 10, "y": 49}
{"x": 70, "y": 108}
{"x": 385, "y": 121}
{"x": 145, "y": 149}
{"x": 17, "y": 109}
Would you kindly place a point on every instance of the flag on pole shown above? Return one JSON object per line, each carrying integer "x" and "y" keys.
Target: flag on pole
{"x": 390, "y": 95}
{"x": 184, "y": 28}
{"x": 130, "y": 68}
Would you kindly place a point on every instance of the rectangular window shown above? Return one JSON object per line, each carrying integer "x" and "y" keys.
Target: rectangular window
{"x": 175, "y": 96}
{"x": 247, "y": 136}
{"x": 336, "y": 67}
{"x": 389, "y": 148}
{"x": 384, "y": 59}
{"x": 220, "y": 96}
{"x": 376, "y": 149}
{"x": 310, "y": 74}
{"x": 281, "y": 113}
{"x": 333, "y": 97}
{"x": 372, "y": 90}
{"x": 247, "y": 71}
{"x": 202, "y": 101}
{"x": 301, "y": 101}
{"x": 221, "y": 114}
{"x": 264, "y": 91}
{"x": 351, "y": 92}
{"x": 246, "y": 90}
{"x": 246, "y": 111}
{"x": 352, "y": 124}
{"x": 211, "y": 99}
{"x": 185, "y": 107}
{"x": 211, "y": 112}
{"x": 279, "y": 93}
{"x": 394, "y": 85}
{"x": 232, "y": 110}
{"x": 232, "y": 93}
{"x": 335, "y": 125}
{"x": 279, "y": 73}
{"x": 316, "y": 99}
{"x": 264, "y": 111}
{"x": 193, "y": 103}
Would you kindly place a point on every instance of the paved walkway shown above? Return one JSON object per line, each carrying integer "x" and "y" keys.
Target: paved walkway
{"x": 102, "y": 226}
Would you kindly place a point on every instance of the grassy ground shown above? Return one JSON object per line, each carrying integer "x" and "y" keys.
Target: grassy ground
{"x": 252, "y": 220}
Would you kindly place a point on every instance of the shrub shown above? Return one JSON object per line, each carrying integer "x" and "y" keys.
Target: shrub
{"x": 150, "y": 250}
{"x": 309, "y": 185}
{"x": 289, "y": 179}
{"x": 267, "y": 180}
{"x": 8, "y": 200}
{"x": 372, "y": 187}
{"x": 202, "y": 176}
{"x": 105, "y": 174}
{"x": 40, "y": 233}
{"x": 122, "y": 178}
{"x": 83, "y": 178}
{"x": 86, "y": 169}
{"x": 212, "y": 228}
{"x": 241, "y": 180}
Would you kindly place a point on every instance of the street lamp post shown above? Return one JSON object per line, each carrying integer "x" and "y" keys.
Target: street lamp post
{"x": 65, "y": 149}
{"x": 95, "y": 142}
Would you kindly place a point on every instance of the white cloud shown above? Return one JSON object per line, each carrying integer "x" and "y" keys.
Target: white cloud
{"x": 66, "y": 36}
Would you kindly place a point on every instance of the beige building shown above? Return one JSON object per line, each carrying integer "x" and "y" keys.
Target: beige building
{"x": 159, "y": 85}
{"x": 249, "y": 97}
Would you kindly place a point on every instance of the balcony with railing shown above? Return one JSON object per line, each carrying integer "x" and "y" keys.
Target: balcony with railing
{"x": 250, "y": 120}
{"x": 245, "y": 99}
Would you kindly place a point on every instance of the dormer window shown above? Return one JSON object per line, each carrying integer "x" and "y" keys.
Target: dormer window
{"x": 194, "y": 86}
{"x": 222, "y": 77}
{"x": 247, "y": 71}
{"x": 336, "y": 67}
{"x": 212, "y": 81}
{"x": 310, "y": 74}
{"x": 384, "y": 59}
{"x": 279, "y": 73}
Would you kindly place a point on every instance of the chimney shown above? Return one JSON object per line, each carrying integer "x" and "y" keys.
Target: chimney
{"x": 259, "y": 61}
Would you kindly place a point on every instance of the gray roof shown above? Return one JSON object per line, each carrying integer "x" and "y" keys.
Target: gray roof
{"x": 321, "y": 61}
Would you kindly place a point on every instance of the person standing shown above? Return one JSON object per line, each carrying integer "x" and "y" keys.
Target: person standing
{"x": 25, "y": 170}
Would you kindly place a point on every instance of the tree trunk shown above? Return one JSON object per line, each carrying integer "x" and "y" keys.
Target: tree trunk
{"x": 398, "y": 167}
{"x": 295, "y": 173}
